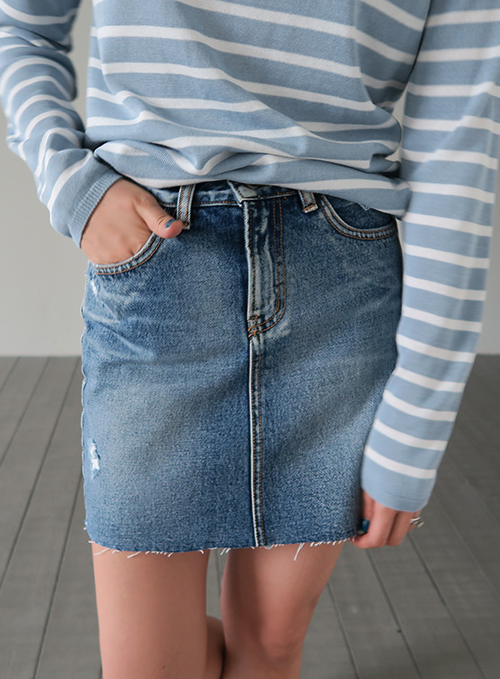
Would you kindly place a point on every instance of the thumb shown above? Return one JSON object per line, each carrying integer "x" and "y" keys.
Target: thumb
{"x": 367, "y": 510}
{"x": 161, "y": 222}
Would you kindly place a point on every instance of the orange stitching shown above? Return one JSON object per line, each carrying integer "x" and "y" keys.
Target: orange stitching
{"x": 189, "y": 205}
{"x": 261, "y": 447}
{"x": 181, "y": 202}
{"x": 392, "y": 232}
{"x": 252, "y": 258}
{"x": 254, "y": 436}
{"x": 256, "y": 325}
{"x": 113, "y": 273}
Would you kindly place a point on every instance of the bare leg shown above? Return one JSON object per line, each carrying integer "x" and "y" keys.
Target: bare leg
{"x": 267, "y": 602}
{"x": 216, "y": 648}
{"x": 152, "y": 615}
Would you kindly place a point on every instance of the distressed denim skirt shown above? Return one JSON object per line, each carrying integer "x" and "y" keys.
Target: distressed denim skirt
{"x": 231, "y": 374}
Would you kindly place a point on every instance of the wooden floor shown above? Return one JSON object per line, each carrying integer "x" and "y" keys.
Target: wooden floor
{"x": 428, "y": 609}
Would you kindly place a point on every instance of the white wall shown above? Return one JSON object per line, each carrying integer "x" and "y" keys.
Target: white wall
{"x": 42, "y": 272}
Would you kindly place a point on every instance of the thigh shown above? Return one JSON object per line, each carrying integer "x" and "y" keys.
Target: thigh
{"x": 268, "y": 598}
{"x": 151, "y": 612}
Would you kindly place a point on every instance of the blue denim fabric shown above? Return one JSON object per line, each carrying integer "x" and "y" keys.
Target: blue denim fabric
{"x": 231, "y": 374}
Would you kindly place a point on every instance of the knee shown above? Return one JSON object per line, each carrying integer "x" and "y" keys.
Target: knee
{"x": 280, "y": 643}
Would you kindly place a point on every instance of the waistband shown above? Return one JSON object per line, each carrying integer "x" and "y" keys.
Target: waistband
{"x": 225, "y": 191}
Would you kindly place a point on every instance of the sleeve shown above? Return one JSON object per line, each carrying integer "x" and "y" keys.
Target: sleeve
{"x": 37, "y": 86}
{"x": 449, "y": 158}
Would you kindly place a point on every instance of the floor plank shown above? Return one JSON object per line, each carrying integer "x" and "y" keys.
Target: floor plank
{"x": 38, "y": 483}
{"x": 427, "y": 609}
{"x": 371, "y": 627}
{"x": 72, "y": 618}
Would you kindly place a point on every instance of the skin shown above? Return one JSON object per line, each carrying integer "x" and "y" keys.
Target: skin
{"x": 122, "y": 222}
{"x": 152, "y": 608}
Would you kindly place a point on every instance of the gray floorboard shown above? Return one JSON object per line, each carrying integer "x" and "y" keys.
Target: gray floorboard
{"x": 427, "y": 609}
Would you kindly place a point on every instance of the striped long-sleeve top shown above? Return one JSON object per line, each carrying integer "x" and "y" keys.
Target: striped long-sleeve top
{"x": 299, "y": 95}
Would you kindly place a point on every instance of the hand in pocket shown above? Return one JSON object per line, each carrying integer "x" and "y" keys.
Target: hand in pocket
{"x": 122, "y": 222}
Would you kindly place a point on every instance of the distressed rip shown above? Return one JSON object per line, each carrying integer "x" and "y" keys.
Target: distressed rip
{"x": 225, "y": 550}
{"x": 95, "y": 460}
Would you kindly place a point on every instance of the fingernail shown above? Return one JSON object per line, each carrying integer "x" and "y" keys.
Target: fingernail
{"x": 170, "y": 222}
{"x": 363, "y": 527}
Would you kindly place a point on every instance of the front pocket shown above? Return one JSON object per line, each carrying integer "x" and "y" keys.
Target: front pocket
{"x": 138, "y": 259}
{"x": 352, "y": 220}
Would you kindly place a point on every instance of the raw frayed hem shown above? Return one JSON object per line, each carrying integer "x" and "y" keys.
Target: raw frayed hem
{"x": 225, "y": 550}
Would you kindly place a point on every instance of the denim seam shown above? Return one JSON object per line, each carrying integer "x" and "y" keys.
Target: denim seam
{"x": 226, "y": 202}
{"x": 104, "y": 272}
{"x": 255, "y": 405}
{"x": 374, "y": 234}
{"x": 261, "y": 452}
{"x": 270, "y": 318}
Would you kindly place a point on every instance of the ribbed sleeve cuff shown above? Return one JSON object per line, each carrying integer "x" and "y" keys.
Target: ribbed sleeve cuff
{"x": 388, "y": 488}
{"x": 103, "y": 177}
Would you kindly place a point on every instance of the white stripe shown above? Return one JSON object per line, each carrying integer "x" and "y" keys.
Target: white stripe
{"x": 41, "y": 20}
{"x": 443, "y": 222}
{"x": 209, "y": 73}
{"x": 189, "y": 35}
{"x": 297, "y": 20}
{"x": 23, "y": 63}
{"x": 451, "y": 125}
{"x": 448, "y": 257}
{"x": 37, "y": 98}
{"x": 325, "y": 185}
{"x": 441, "y": 321}
{"x": 451, "y": 54}
{"x": 31, "y": 81}
{"x": 241, "y": 106}
{"x": 451, "y": 156}
{"x": 65, "y": 176}
{"x": 416, "y": 411}
{"x": 124, "y": 149}
{"x": 453, "y": 190}
{"x": 54, "y": 113}
{"x": 465, "y": 16}
{"x": 456, "y": 90}
{"x": 436, "y": 352}
{"x": 399, "y": 467}
{"x": 235, "y": 47}
{"x": 407, "y": 439}
{"x": 428, "y": 382}
{"x": 442, "y": 289}
{"x": 321, "y": 126}
{"x": 394, "y": 12}
{"x": 44, "y": 155}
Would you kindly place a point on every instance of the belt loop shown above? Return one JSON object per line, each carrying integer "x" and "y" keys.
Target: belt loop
{"x": 184, "y": 201}
{"x": 308, "y": 200}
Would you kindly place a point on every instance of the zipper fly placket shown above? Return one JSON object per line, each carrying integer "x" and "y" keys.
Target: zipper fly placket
{"x": 266, "y": 306}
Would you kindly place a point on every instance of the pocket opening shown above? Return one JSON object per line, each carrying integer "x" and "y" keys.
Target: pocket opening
{"x": 355, "y": 220}
{"x": 144, "y": 253}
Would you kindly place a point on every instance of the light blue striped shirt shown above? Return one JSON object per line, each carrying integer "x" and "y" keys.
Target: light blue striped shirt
{"x": 300, "y": 95}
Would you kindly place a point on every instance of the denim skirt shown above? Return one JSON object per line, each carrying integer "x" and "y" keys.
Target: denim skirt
{"x": 231, "y": 374}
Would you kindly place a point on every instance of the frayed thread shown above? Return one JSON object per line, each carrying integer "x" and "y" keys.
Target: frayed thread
{"x": 225, "y": 550}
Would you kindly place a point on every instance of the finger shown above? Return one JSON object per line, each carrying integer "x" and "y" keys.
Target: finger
{"x": 159, "y": 220}
{"x": 366, "y": 512}
{"x": 380, "y": 528}
{"x": 377, "y": 535}
{"x": 400, "y": 528}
